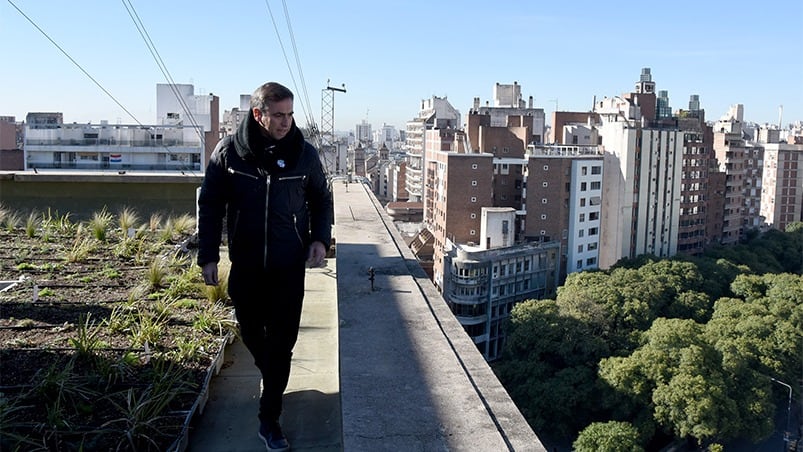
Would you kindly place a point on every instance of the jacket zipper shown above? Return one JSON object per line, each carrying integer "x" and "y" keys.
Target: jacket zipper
{"x": 295, "y": 228}
{"x": 292, "y": 177}
{"x": 295, "y": 219}
{"x": 234, "y": 171}
{"x": 267, "y": 198}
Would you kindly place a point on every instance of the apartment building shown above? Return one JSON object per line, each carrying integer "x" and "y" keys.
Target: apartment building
{"x": 782, "y": 185}
{"x": 387, "y": 136}
{"x": 752, "y": 179}
{"x": 458, "y": 184}
{"x": 730, "y": 150}
{"x": 507, "y": 103}
{"x": 519, "y": 182}
{"x": 507, "y": 142}
{"x": 699, "y": 194}
{"x": 232, "y": 118}
{"x": 483, "y": 282}
{"x": 182, "y": 140}
{"x": 435, "y": 113}
{"x": 11, "y": 156}
{"x": 566, "y": 128}
{"x": 563, "y": 202}
{"x": 641, "y": 183}
{"x": 362, "y": 132}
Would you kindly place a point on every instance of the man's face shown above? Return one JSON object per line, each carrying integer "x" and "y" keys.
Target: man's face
{"x": 277, "y": 119}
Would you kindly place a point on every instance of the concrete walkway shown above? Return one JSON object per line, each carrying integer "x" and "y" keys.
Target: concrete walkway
{"x": 379, "y": 366}
{"x": 311, "y": 419}
{"x": 411, "y": 379}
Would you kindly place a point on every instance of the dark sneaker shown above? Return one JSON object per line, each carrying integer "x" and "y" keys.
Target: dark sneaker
{"x": 271, "y": 433}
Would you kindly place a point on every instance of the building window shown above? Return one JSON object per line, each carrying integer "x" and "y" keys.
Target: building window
{"x": 584, "y": 171}
{"x": 581, "y": 233}
{"x": 579, "y": 248}
{"x": 579, "y": 263}
{"x": 582, "y": 202}
{"x": 595, "y": 185}
{"x": 592, "y": 231}
{"x": 593, "y": 216}
{"x": 596, "y": 170}
{"x": 582, "y": 217}
{"x": 583, "y": 186}
{"x": 592, "y": 246}
{"x": 591, "y": 261}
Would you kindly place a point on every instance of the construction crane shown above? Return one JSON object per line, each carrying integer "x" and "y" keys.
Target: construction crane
{"x": 329, "y": 150}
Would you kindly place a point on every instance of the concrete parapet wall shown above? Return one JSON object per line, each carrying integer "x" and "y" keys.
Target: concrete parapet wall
{"x": 411, "y": 379}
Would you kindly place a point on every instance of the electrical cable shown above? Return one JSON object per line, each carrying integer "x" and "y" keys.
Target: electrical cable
{"x": 97, "y": 83}
{"x": 311, "y": 119}
{"x": 159, "y": 62}
{"x": 74, "y": 62}
{"x": 307, "y": 116}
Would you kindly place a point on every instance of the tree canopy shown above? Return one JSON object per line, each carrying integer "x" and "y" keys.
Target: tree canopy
{"x": 685, "y": 346}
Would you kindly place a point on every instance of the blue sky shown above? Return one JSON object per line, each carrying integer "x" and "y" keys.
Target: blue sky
{"x": 392, "y": 54}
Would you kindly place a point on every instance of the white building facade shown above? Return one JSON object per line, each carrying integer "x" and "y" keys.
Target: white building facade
{"x": 641, "y": 185}
{"x": 585, "y": 208}
{"x": 482, "y": 285}
{"x": 435, "y": 113}
{"x": 782, "y": 187}
{"x": 175, "y": 143}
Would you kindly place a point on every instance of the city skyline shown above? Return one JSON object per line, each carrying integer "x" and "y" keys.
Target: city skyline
{"x": 390, "y": 58}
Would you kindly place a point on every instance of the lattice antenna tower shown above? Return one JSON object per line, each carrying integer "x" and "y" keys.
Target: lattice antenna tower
{"x": 329, "y": 148}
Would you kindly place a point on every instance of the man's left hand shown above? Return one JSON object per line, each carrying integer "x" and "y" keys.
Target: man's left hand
{"x": 317, "y": 253}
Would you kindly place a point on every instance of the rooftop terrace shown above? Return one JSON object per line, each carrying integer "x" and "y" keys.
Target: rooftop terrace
{"x": 380, "y": 365}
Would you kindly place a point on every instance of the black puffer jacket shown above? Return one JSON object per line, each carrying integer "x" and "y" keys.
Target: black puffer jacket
{"x": 274, "y": 195}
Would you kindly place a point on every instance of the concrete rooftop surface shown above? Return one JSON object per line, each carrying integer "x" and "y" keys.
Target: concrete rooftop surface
{"x": 382, "y": 368}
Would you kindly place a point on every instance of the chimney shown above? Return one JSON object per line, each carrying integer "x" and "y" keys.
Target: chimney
{"x": 530, "y": 105}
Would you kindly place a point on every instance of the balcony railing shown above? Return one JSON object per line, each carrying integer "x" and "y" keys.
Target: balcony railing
{"x": 112, "y": 142}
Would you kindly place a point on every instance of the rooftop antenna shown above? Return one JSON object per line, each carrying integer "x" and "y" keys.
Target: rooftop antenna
{"x": 780, "y": 117}
{"x": 328, "y": 125}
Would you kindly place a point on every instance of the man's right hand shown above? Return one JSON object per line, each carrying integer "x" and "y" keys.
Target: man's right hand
{"x": 209, "y": 271}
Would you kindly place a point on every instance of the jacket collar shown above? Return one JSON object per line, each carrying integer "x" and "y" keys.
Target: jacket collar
{"x": 251, "y": 145}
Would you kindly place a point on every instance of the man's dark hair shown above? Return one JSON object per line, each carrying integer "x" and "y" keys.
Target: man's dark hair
{"x": 269, "y": 92}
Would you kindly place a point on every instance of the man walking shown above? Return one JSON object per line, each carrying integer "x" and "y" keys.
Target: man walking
{"x": 269, "y": 185}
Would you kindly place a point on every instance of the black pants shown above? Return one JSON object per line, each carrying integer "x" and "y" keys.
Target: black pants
{"x": 267, "y": 304}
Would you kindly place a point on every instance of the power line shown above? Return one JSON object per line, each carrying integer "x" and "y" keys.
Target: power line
{"x": 298, "y": 62}
{"x": 307, "y": 115}
{"x": 190, "y": 170}
{"x": 75, "y": 62}
{"x": 143, "y": 32}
